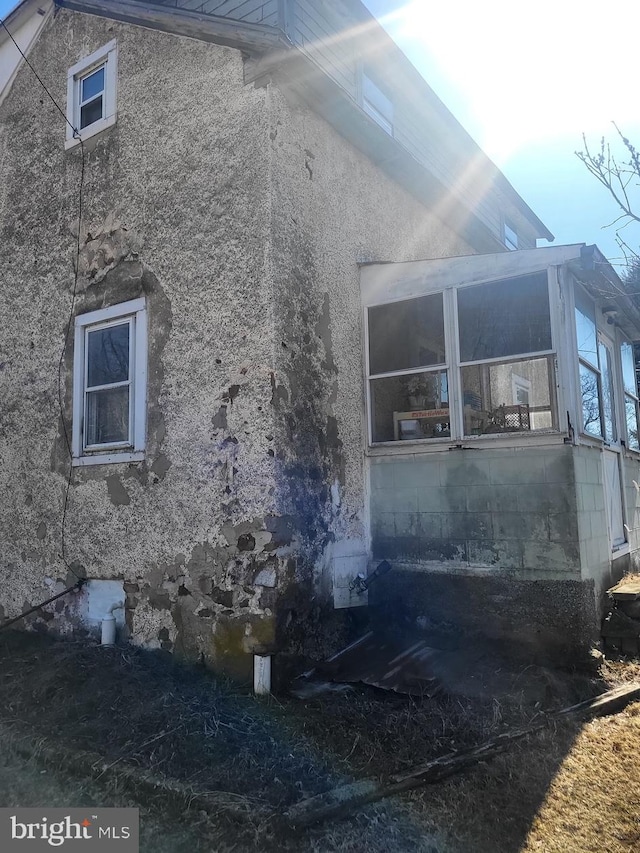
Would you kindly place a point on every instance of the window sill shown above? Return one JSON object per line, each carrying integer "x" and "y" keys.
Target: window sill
{"x": 107, "y": 459}
{"x": 91, "y": 132}
{"x": 620, "y": 551}
{"x": 474, "y": 442}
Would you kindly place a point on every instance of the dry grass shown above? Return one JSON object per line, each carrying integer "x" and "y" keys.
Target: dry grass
{"x": 571, "y": 788}
{"x": 593, "y": 803}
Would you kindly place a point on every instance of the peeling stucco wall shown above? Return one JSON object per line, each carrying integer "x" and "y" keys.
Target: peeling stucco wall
{"x": 241, "y": 218}
{"x": 175, "y": 207}
{"x": 332, "y": 208}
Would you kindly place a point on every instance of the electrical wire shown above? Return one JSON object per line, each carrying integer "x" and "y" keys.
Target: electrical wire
{"x": 76, "y": 135}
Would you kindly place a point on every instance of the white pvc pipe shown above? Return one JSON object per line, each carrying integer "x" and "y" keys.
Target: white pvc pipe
{"x": 109, "y": 625}
{"x": 108, "y": 630}
{"x": 262, "y": 675}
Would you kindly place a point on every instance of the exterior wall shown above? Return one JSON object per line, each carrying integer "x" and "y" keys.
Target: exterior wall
{"x": 504, "y": 510}
{"x": 484, "y": 542}
{"x": 598, "y": 562}
{"x": 331, "y": 209}
{"x": 175, "y": 207}
{"x": 631, "y": 477}
{"x": 595, "y": 547}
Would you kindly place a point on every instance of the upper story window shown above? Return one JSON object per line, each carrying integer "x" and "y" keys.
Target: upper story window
{"x": 91, "y": 94}
{"x": 509, "y": 235}
{"x": 377, "y": 105}
{"x": 475, "y": 360}
{"x": 109, "y": 384}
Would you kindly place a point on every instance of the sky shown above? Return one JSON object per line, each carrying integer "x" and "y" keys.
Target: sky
{"x": 527, "y": 81}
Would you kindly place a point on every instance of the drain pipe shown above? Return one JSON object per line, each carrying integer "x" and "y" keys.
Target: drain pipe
{"x": 109, "y": 625}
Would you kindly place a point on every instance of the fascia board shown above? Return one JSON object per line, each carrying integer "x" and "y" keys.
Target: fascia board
{"x": 408, "y": 278}
{"x": 241, "y": 35}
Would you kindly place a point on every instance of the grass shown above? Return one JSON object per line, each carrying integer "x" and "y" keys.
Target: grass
{"x": 571, "y": 788}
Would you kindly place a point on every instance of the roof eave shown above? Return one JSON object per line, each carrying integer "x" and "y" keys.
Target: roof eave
{"x": 242, "y": 35}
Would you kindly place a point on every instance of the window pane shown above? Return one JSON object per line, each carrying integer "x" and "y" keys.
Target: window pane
{"x": 504, "y": 318}
{"x": 607, "y": 390}
{"x": 631, "y": 414}
{"x": 586, "y": 331}
{"x": 507, "y": 397}
{"x": 107, "y": 416}
{"x": 108, "y": 355}
{"x": 415, "y": 406}
{"x": 92, "y": 85}
{"x": 590, "y": 392}
{"x": 406, "y": 334}
{"x": 91, "y": 112}
{"x": 628, "y": 369}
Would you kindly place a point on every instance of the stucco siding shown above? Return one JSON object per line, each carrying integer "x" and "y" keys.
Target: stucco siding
{"x": 175, "y": 207}
{"x": 332, "y": 209}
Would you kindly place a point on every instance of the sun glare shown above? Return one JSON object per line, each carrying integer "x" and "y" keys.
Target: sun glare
{"x": 529, "y": 73}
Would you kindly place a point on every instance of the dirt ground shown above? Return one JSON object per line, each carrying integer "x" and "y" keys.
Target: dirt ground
{"x": 574, "y": 787}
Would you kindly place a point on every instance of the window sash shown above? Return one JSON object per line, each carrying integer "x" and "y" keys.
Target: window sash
{"x": 452, "y": 366}
{"x": 595, "y": 372}
{"x": 91, "y": 389}
{"x": 106, "y": 57}
{"x": 134, "y": 314}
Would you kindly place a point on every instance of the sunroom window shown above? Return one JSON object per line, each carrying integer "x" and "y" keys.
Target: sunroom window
{"x": 407, "y": 364}
{"x": 503, "y": 366}
{"x": 590, "y": 381}
{"x": 506, "y": 359}
{"x": 630, "y": 395}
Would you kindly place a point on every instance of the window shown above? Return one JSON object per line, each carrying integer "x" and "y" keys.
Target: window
{"x": 590, "y": 382}
{"x": 109, "y": 384}
{"x": 509, "y": 235}
{"x": 91, "y": 94}
{"x": 630, "y": 395}
{"x": 503, "y": 364}
{"x": 377, "y": 105}
{"x": 501, "y": 325}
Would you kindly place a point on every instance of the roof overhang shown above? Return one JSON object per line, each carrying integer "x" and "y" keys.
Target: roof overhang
{"x": 409, "y": 278}
{"x": 252, "y": 38}
{"x": 586, "y": 264}
{"x": 22, "y": 26}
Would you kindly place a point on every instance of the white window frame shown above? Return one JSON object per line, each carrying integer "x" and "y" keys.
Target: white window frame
{"x": 106, "y": 56}
{"x": 134, "y": 312}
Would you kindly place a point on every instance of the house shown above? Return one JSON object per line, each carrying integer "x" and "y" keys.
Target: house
{"x": 217, "y": 206}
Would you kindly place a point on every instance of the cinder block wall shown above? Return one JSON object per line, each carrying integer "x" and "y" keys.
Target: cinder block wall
{"x": 485, "y": 542}
{"x": 506, "y": 509}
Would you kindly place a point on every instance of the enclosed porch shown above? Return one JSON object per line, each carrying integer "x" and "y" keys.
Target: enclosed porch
{"x": 502, "y": 447}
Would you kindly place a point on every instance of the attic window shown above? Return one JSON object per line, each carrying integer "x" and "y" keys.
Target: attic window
{"x": 510, "y": 236}
{"x": 91, "y": 94}
{"x": 377, "y": 105}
